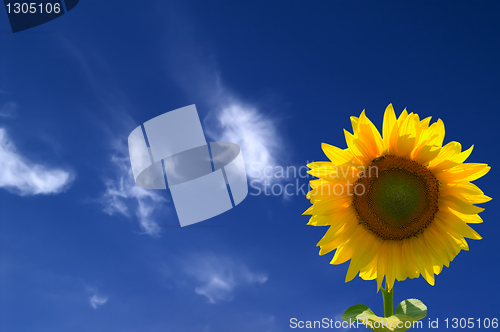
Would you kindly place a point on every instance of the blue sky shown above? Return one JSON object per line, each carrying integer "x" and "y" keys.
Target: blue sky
{"x": 83, "y": 249}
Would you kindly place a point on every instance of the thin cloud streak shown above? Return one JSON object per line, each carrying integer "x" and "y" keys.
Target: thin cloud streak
{"x": 218, "y": 278}
{"x": 230, "y": 118}
{"x": 123, "y": 197}
{"x": 23, "y": 177}
{"x": 96, "y": 300}
{"x": 8, "y": 110}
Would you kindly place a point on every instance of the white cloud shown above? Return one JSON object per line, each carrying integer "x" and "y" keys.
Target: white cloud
{"x": 219, "y": 277}
{"x": 24, "y": 177}
{"x": 254, "y": 132}
{"x": 123, "y": 197}
{"x": 95, "y": 299}
{"x": 8, "y": 110}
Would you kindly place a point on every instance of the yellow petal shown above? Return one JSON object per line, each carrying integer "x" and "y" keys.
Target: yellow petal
{"x": 382, "y": 263}
{"x": 354, "y": 122}
{"x": 342, "y": 254}
{"x": 460, "y": 188}
{"x": 388, "y": 125}
{"x": 370, "y": 135}
{"x": 410, "y": 267}
{"x": 463, "y": 155}
{"x": 447, "y": 152}
{"x": 365, "y": 245}
{"x": 369, "y": 272}
{"x": 467, "y": 192}
{"x": 455, "y": 240}
{"x": 336, "y": 155}
{"x": 463, "y": 172}
{"x": 321, "y": 220}
{"x": 331, "y": 205}
{"x": 453, "y": 222}
{"x": 328, "y": 189}
{"x": 425, "y": 153}
{"x": 402, "y": 117}
{"x": 468, "y": 218}
{"x": 423, "y": 260}
{"x": 341, "y": 236}
{"x": 436, "y": 246}
{"x": 459, "y": 205}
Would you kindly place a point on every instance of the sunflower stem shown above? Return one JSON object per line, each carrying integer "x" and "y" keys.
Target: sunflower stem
{"x": 388, "y": 297}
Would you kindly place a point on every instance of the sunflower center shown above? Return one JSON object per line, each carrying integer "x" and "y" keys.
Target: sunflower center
{"x": 399, "y": 198}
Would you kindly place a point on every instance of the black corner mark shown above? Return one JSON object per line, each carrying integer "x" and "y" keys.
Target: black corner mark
{"x": 70, "y": 4}
{"x": 26, "y": 14}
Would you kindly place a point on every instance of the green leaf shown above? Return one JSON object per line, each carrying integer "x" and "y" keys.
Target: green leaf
{"x": 411, "y": 308}
{"x": 407, "y": 315}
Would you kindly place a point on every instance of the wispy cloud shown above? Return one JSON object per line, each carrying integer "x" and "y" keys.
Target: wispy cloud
{"x": 24, "y": 177}
{"x": 123, "y": 197}
{"x": 251, "y": 129}
{"x": 96, "y": 300}
{"x": 218, "y": 278}
{"x": 8, "y": 110}
{"x": 231, "y": 117}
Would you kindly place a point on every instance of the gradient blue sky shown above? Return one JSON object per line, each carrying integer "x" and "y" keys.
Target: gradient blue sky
{"x": 82, "y": 249}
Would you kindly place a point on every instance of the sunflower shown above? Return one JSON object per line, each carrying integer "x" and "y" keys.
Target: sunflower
{"x": 397, "y": 206}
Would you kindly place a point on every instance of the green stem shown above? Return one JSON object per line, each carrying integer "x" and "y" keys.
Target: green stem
{"x": 388, "y": 305}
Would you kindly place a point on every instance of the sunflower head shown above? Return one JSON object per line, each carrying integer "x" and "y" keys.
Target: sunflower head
{"x": 397, "y": 205}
